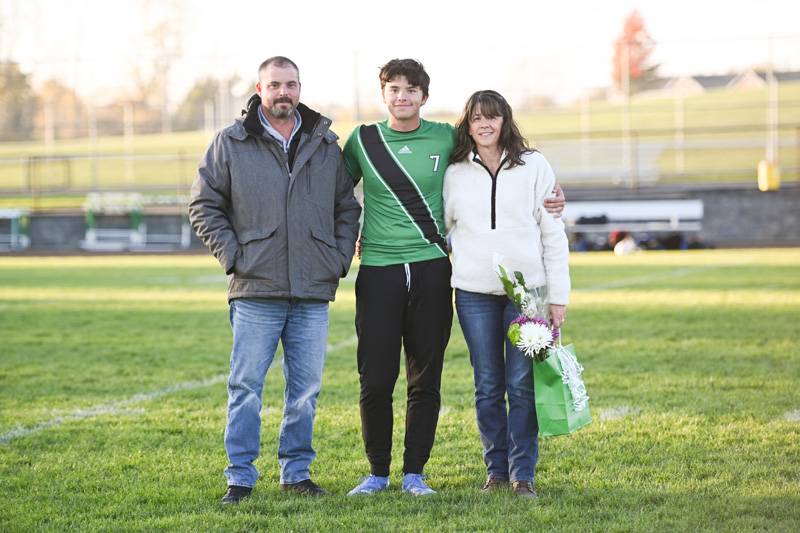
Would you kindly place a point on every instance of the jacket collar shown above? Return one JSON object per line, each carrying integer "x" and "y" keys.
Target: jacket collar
{"x": 253, "y": 126}
{"x": 477, "y": 158}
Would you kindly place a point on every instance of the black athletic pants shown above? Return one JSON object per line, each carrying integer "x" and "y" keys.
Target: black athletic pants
{"x": 409, "y": 303}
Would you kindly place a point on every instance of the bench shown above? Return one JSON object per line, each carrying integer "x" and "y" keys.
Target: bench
{"x": 15, "y": 239}
{"x": 652, "y": 224}
{"x": 634, "y": 216}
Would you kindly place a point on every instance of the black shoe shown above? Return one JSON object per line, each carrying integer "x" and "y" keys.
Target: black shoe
{"x": 235, "y": 494}
{"x": 305, "y": 487}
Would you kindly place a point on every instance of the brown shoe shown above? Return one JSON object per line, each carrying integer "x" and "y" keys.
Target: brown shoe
{"x": 494, "y": 483}
{"x": 524, "y": 489}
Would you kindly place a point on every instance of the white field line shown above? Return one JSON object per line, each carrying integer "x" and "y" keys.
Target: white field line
{"x": 615, "y": 413}
{"x": 82, "y": 414}
{"x": 111, "y": 408}
{"x": 121, "y": 407}
{"x": 643, "y": 280}
{"x": 792, "y": 416}
{"x": 118, "y": 407}
{"x": 342, "y": 344}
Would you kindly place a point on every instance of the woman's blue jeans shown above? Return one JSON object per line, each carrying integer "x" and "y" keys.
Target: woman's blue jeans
{"x": 509, "y": 432}
{"x": 258, "y": 324}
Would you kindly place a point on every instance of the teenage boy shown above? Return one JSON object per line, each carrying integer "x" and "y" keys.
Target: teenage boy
{"x": 403, "y": 294}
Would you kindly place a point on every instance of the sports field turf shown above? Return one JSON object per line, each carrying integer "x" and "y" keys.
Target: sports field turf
{"x": 112, "y": 405}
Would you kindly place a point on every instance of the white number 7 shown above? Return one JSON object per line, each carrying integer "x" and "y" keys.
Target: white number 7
{"x": 435, "y": 162}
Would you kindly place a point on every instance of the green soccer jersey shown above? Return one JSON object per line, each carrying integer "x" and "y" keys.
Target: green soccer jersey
{"x": 403, "y": 175}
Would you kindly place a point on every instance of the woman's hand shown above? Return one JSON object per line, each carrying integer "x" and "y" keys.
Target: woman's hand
{"x": 558, "y": 314}
{"x": 555, "y": 204}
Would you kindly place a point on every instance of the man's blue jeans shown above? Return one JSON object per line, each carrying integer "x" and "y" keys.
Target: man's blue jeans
{"x": 258, "y": 324}
{"x": 509, "y": 434}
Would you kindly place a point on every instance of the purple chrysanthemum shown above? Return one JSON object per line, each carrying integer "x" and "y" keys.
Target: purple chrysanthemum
{"x": 522, "y": 319}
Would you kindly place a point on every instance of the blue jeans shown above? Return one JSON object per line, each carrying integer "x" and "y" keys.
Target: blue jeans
{"x": 509, "y": 434}
{"x": 258, "y": 324}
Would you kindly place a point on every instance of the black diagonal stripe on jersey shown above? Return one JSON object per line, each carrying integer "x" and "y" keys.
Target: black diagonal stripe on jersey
{"x": 400, "y": 184}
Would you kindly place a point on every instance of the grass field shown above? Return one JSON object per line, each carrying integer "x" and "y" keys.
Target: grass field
{"x": 112, "y": 405}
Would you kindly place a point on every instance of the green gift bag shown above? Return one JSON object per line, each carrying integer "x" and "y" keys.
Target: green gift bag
{"x": 562, "y": 405}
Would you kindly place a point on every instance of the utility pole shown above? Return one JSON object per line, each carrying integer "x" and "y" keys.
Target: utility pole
{"x": 769, "y": 171}
{"x": 771, "y": 154}
{"x": 680, "y": 126}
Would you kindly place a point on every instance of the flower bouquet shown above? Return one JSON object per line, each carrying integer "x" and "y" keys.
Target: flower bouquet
{"x": 562, "y": 403}
{"x": 531, "y": 331}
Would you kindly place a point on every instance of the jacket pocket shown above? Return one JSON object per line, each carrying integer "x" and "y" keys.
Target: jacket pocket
{"x": 328, "y": 264}
{"x": 258, "y": 251}
{"x": 320, "y": 181}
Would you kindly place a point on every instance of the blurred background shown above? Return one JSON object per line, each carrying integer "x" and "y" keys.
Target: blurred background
{"x": 670, "y": 125}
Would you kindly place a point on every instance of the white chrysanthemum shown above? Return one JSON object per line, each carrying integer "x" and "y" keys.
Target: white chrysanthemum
{"x": 534, "y": 338}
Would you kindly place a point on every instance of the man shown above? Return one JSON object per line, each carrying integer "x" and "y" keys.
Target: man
{"x": 275, "y": 205}
{"x": 403, "y": 293}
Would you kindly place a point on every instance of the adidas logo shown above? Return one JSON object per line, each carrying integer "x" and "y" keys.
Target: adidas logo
{"x": 404, "y": 150}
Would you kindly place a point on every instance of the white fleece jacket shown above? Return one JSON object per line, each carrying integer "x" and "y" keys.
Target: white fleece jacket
{"x": 525, "y": 237}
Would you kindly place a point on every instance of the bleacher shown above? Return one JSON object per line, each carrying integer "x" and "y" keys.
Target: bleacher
{"x": 118, "y": 222}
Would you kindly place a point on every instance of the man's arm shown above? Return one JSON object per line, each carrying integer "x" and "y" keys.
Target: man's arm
{"x": 209, "y": 204}
{"x": 353, "y": 169}
{"x": 346, "y": 213}
{"x": 555, "y": 204}
{"x": 350, "y": 154}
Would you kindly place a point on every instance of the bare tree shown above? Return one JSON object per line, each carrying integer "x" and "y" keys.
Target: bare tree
{"x": 204, "y": 101}
{"x": 164, "y": 39}
{"x": 61, "y": 111}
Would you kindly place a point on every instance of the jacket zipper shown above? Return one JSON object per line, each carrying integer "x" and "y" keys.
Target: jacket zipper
{"x": 494, "y": 186}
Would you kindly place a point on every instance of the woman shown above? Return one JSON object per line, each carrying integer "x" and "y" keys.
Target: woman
{"x": 493, "y": 193}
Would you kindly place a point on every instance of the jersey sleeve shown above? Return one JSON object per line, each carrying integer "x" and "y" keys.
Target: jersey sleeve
{"x": 453, "y": 133}
{"x": 351, "y": 160}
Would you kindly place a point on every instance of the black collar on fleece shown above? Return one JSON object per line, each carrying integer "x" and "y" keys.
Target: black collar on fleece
{"x": 253, "y": 125}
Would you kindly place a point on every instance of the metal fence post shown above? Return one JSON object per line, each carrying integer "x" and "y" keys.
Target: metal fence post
{"x": 634, "y": 159}
{"x": 797, "y": 151}
{"x": 68, "y": 161}
{"x": 181, "y": 172}
{"x": 29, "y": 173}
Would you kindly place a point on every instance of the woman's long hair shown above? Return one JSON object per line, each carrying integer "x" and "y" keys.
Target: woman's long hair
{"x": 491, "y": 104}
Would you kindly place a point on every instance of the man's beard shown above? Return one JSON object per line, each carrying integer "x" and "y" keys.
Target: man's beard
{"x": 281, "y": 112}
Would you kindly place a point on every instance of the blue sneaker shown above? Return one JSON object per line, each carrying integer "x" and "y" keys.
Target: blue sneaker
{"x": 370, "y": 485}
{"x": 415, "y": 484}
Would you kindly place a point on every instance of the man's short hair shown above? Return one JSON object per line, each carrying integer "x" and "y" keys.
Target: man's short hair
{"x": 278, "y": 61}
{"x": 411, "y": 69}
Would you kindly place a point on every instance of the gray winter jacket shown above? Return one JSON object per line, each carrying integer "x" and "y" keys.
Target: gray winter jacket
{"x": 278, "y": 234}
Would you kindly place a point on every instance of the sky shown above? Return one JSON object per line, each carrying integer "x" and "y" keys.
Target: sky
{"x": 520, "y": 48}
